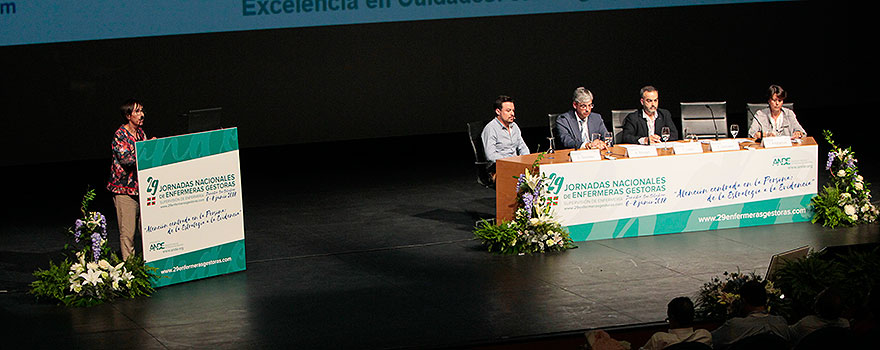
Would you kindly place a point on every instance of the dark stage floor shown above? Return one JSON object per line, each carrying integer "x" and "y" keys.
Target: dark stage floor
{"x": 372, "y": 254}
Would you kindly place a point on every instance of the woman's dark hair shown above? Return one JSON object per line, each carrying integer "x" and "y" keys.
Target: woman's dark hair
{"x": 776, "y": 90}
{"x": 127, "y": 107}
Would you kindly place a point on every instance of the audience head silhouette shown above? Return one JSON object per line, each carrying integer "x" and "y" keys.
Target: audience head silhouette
{"x": 680, "y": 312}
{"x": 829, "y": 304}
{"x": 753, "y": 294}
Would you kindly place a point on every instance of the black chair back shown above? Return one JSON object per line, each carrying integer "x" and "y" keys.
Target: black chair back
{"x": 475, "y": 130}
{"x": 552, "y": 118}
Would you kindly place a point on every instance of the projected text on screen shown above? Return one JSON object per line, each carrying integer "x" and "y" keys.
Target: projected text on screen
{"x": 49, "y": 21}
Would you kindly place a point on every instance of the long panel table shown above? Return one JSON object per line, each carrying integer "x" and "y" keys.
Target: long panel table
{"x": 627, "y": 197}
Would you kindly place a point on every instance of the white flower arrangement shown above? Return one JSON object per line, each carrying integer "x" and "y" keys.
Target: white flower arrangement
{"x": 533, "y": 229}
{"x": 846, "y": 200}
{"x": 91, "y": 278}
{"x": 95, "y": 274}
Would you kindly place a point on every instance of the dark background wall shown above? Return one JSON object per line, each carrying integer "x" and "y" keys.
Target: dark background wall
{"x": 323, "y": 84}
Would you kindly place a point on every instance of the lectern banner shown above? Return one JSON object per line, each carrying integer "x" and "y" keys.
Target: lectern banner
{"x": 682, "y": 193}
{"x": 191, "y": 209}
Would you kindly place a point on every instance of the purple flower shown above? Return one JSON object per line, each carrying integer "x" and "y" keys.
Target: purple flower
{"x": 830, "y": 161}
{"x": 77, "y": 230}
{"x": 103, "y": 225}
{"x": 96, "y": 245}
{"x": 527, "y": 202}
{"x": 520, "y": 181}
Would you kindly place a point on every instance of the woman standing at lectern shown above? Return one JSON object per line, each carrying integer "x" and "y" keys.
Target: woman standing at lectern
{"x": 123, "y": 182}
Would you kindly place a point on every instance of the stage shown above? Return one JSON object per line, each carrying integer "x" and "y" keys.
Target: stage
{"x": 348, "y": 253}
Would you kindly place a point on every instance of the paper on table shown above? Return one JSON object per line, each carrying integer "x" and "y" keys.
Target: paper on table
{"x": 636, "y": 151}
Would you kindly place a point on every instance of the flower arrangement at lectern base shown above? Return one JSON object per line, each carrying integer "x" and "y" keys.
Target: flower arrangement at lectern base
{"x": 533, "y": 229}
{"x": 846, "y": 199}
{"x": 90, "y": 273}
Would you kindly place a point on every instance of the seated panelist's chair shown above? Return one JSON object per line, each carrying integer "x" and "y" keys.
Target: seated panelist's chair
{"x": 617, "y": 116}
{"x": 706, "y": 119}
{"x": 752, "y": 108}
{"x": 552, "y": 118}
{"x": 475, "y": 130}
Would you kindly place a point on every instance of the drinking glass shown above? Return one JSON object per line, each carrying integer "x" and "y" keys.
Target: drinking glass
{"x": 552, "y": 145}
{"x": 734, "y": 129}
{"x": 664, "y": 135}
{"x": 609, "y": 141}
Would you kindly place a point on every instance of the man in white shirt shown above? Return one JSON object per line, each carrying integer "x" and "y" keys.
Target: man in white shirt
{"x": 501, "y": 136}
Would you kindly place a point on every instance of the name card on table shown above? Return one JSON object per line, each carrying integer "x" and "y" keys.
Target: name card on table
{"x": 776, "y": 141}
{"x": 580, "y": 156}
{"x": 637, "y": 151}
{"x": 687, "y": 147}
{"x": 724, "y": 145}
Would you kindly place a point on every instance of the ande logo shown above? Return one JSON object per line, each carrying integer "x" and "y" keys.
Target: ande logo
{"x": 157, "y": 246}
{"x": 782, "y": 161}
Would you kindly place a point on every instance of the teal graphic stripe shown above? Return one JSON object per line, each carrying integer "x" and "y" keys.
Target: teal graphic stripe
{"x": 170, "y": 150}
{"x": 208, "y": 262}
{"x": 766, "y": 212}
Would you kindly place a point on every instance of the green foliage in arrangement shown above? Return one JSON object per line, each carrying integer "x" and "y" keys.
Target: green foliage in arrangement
{"x": 792, "y": 293}
{"x": 854, "y": 274}
{"x": 90, "y": 273}
{"x": 534, "y": 229}
{"x": 846, "y": 199}
{"x": 719, "y": 298}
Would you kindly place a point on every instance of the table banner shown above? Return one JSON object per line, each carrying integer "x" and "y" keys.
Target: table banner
{"x": 683, "y": 193}
{"x": 192, "y": 219}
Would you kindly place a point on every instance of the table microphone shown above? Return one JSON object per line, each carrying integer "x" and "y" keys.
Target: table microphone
{"x": 713, "y": 121}
{"x": 755, "y": 117}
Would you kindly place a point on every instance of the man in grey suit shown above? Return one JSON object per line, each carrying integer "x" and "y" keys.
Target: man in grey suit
{"x": 576, "y": 127}
{"x": 650, "y": 116}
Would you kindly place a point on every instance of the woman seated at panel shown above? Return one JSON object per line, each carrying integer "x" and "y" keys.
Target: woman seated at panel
{"x": 776, "y": 120}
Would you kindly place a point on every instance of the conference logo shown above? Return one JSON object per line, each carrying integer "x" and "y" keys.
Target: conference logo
{"x": 556, "y": 183}
{"x": 157, "y": 246}
{"x": 151, "y": 201}
{"x": 152, "y": 185}
{"x": 781, "y": 161}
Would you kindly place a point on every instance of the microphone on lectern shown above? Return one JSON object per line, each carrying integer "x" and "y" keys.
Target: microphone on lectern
{"x": 713, "y": 120}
